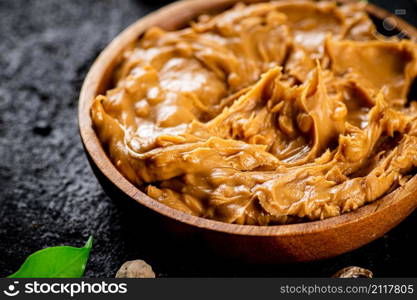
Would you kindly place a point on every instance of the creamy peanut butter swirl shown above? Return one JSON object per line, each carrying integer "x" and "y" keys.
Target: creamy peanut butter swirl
{"x": 268, "y": 113}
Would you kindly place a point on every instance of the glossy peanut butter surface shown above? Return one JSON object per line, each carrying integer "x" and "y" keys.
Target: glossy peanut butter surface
{"x": 264, "y": 114}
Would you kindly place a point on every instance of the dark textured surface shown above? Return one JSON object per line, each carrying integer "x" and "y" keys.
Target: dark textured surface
{"x": 48, "y": 193}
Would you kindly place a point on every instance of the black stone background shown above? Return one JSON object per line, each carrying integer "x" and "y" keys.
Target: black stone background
{"x": 48, "y": 193}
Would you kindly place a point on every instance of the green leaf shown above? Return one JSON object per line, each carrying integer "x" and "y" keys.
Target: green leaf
{"x": 56, "y": 262}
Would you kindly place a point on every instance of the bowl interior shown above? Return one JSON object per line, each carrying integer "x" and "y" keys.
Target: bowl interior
{"x": 99, "y": 80}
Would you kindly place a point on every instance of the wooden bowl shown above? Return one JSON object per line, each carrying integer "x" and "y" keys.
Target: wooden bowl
{"x": 261, "y": 244}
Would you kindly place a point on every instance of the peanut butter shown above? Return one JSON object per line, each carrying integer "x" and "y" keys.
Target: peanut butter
{"x": 268, "y": 113}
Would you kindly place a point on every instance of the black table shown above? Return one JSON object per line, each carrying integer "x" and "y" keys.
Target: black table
{"x": 48, "y": 193}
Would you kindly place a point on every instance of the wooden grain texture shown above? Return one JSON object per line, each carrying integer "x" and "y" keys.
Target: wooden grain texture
{"x": 261, "y": 244}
